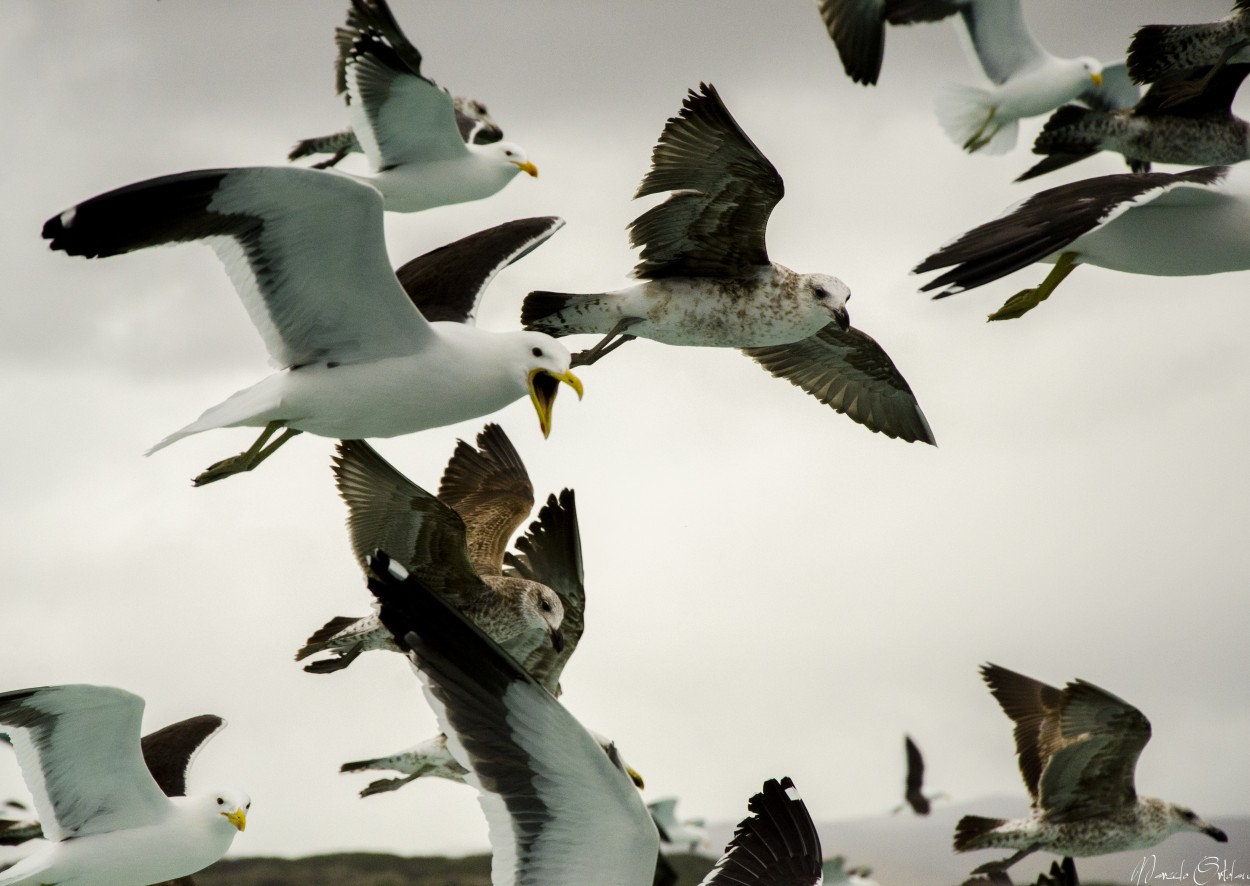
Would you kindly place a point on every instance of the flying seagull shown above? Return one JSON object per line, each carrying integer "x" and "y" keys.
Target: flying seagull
{"x": 706, "y": 279}
{"x": 560, "y": 810}
{"x": 688, "y": 834}
{"x": 1197, "y": 129}
{"x": 1077, "y": 749}
{"x": 835, "y": 873}
{"x": 1179, "y": 224}
{"x": 914, "y": 793}
{"x": 1027, "y": 79}
{"x": 306, "y": 253}
{"x": 424, "y": 151}
{"x": 776, "y": 845}
{"x": 105, "y": 816}
{"x": 1160, "y": 51}
{"x": 456, "y": 544}
{"x": 1060, "y": 874}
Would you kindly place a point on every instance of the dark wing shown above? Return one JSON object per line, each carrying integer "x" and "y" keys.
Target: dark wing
{"x": 848, "y": 370}
{"x": 491, "y": 491}
{"x": 15, "y": 832}
{"x": 385, "y": 507}
{"x": 558, "y": 807}
{"x": 1157, "y": 51}
{"x": 857, "y": 28}
{"x": 447, "y": 283}
{"x": 550, "y": 553}
{"x": 1191, "y": 94}
{"x": 777, "y": 845}
{"x": 372, "y": 16}
{"x": 1093, "y": 756}
{"x": 1044, "y": 224}
{"x": 915, "y": 778}
{"x": 713, "y": 226}
{"x": 1034, "y": 707}
{"x": 170, "y": 751}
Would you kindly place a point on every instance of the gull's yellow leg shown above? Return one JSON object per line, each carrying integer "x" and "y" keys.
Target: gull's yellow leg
{"x": 248, "y": 459}
{"x": 1027, "y": 299}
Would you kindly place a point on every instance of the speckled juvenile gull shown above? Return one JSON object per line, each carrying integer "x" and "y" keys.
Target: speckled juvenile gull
{"x": 294, "y": 241}
{"x": 1077, "y": 749}
{"x": 706, "y": 279}
{"x": 1027, "y": 79}
{"x": 463, "y": 565}
{"x": 1180, "y": 224}
{"x": 102, "y": 811}
{"x": 423, "y": 150}
{"x": 1197, "y": 129}
{"x": 1158, "y": 51}
{"x": 776, "y": 845}
{"x": 560, "y": 811}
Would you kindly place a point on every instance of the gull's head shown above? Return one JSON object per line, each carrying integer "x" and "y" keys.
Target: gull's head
{"x": 546, "y": 364}
{"x": 546, "y": 606}
{"x": 509, "y": 154}
{"x": 232, "y": 806}
{"x": 829, "y": 295}
{"x": 1182, "y": 818}
{"x": 1092, "y": 69}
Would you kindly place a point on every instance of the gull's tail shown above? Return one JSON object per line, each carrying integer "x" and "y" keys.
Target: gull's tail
{"x": 966, "y": 114}
{"x": 972, "y": 830}
{"x": 562, "y": 313}
{"x": 320, "y": 640}
{"x": 249, "y": 407}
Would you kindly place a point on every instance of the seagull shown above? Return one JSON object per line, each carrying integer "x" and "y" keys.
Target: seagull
{"x": 472, "y": 119}
{"x": 1196, "y": 129}
{"x": 690, "y": 833}
{"x": 102, "y": 811}
{"x": 777, "y": 845}
{"x": 1027, "y": 80}
{"x": 1060, "y": 874}
{"x": 706, "y": 279}
{"x": 560, "y": 810}
{"x": 456, "y": 544}
{"x": 1077, "y": 748}
{"x": 914, "y": 794}
{"x": 1179, "y": 224}
{"x": 1159, "y": 51}
{"x": 407, "y": 125}
{"x": 835, "y": 873}
{"x": 306, "y": 253}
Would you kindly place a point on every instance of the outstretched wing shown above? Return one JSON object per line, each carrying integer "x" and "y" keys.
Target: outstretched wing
{"x": 847, "y": 370}
{"x": 724, "y": 190}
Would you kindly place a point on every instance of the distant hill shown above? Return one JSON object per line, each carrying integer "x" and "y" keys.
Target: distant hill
{"x": 902, "y": 850}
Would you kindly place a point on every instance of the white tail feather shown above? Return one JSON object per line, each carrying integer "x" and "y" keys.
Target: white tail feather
{"x": 963, "y": 112}
{"x": 250, "y": 406}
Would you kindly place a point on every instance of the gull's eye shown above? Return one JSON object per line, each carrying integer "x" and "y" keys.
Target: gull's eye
{"x": 821, "y": 292}
{"x": 537, "y": 352}
{"x": 507, "y": 153}
{"x": 220, "y": 802}
{"x": 546, "y": 606}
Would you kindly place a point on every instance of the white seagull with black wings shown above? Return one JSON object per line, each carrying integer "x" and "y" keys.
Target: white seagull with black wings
{"x": 1164, "y": 224}
{"x": 561, "y": 808}
{"x": 306, "y": 253}
{"x": 707, "y": 279}
{"x": 112, "y": 818}
{"x": 423, "y": 151}
{"x": 1077, "y": 749}
{"x": 1027, "y": 80}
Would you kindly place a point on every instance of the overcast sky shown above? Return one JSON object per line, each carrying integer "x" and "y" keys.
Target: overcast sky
{"x": 772, "y": 590}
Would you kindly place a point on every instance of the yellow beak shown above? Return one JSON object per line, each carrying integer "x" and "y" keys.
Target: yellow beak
{"x": 527, "y": 167}
{"x": 635, "y": 777}
{"x": 543, "y": 386}
{"x": 1097, "y": 78}
{"x": 238, "y": 818}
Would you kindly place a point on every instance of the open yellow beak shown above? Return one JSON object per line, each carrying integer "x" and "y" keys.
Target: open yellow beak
{"x": 543, "y": 387}
{"x": 238, "y": 818}
{"x": 1097, "y": 78}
